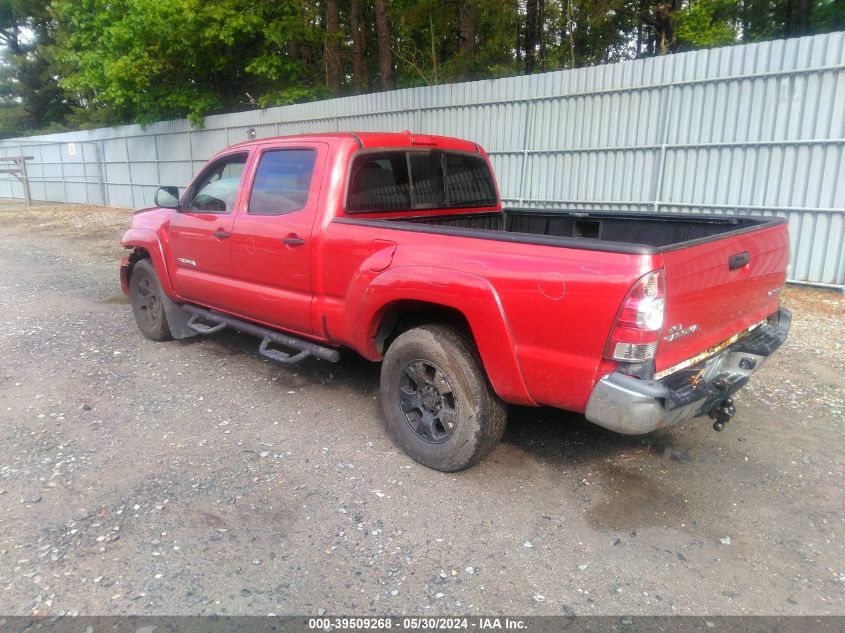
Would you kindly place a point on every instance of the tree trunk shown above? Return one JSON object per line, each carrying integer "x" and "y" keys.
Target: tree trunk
{"x": 797, "y": 20}
{"x": 640, "y": 30}
{"x": 531, "y": 10}
{"x": 333, "y": 45}
{"x": 665, "y": 30}
{"x": 385, "y": 42}
{"x": 570, "y": 36}
{"x": 541, "y": 31}
{"x": 360, "y": 79}
{"x": 466, "y": 28}
{"x": 744, "y": 21}
{"x": 581, "y": 48}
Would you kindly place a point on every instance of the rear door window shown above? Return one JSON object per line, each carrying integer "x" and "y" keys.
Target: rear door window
{"x": 282, "y": 181}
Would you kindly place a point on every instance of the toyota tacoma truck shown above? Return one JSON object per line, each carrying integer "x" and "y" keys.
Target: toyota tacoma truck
{"x": 396, "y": 246}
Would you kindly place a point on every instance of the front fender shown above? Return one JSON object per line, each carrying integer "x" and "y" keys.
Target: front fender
{"x": 148, "y": 240}
{"x": 469, "y": 294}
{"x": 140, "y": 238}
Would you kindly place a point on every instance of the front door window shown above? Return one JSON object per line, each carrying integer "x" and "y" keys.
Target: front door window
{"x": 217, "y": 188}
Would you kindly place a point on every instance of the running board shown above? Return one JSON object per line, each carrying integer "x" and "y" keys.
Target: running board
{"x": 204, "y": 321}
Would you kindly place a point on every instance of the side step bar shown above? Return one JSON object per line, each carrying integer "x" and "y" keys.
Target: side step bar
{"x": 204, "y": 321}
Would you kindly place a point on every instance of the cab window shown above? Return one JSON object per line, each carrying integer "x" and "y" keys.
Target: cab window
{"x": 217, "y": 187}
{"x": 427, "y": 179}
{"x": 282, "y": 181}
{"x": 468, "y": 181}
{"x": 379, "y": 182}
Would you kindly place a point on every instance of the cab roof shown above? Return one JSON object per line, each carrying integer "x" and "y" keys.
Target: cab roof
{"x": 370, "y": 140}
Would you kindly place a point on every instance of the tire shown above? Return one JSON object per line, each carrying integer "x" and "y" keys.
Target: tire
{"x": 145, "y": 295}
{"x": 437, "y": 402}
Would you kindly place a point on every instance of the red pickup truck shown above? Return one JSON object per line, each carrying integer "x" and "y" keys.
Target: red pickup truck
{"x": 396, "y": 246}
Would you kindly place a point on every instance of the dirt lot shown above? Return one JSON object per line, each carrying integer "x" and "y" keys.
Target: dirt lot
{"x": 194, "y": 477}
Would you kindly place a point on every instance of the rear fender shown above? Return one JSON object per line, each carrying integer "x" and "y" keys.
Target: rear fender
{"x": 472, "y": 296}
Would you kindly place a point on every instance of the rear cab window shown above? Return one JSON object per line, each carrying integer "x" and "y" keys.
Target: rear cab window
{"x": 379, "y": 182}
{"x": 468, "y": 181}
{"x": 404, "y": 180}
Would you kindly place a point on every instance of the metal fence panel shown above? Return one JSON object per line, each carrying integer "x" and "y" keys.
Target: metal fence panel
{"x": 756, "y": 129}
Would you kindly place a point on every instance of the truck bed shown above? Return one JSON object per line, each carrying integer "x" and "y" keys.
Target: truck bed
{"x": 600, "y": 230}
{"x": 723, "y": 272}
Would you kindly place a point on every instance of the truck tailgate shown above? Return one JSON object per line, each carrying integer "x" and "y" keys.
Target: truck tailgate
{"x": 720, "y": 288}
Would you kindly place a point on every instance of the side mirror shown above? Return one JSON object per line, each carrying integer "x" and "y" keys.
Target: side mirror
{"x": 167, "y": 197}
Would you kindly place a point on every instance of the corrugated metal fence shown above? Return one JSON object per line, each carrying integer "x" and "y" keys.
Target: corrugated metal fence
{"x": 756, "y": 129}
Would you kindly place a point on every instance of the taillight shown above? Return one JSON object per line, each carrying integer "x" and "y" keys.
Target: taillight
{"x": 639, "y": 322}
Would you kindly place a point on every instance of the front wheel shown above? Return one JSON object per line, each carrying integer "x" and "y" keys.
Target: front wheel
{"x": 145, "y": 295}
{"x": 438, "y": 404}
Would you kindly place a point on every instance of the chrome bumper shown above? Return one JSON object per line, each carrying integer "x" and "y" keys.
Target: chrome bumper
{"x": 633, "y": 406}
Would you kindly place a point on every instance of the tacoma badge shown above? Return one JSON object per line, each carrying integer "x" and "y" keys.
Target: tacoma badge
{"x": 679, "y": 331}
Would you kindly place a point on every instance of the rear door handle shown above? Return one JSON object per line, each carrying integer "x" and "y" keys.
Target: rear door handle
{"x": 739, "y": 260}
{"x": 293, "y": 240}
{"x": 221, "y": 234}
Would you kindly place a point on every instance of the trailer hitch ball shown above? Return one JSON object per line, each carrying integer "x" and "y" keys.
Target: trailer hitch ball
{"x": 722, "y": 413}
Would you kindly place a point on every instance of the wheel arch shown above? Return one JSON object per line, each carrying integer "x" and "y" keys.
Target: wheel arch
{"x": 404, "y": 314}
{"x": 394, "y": 303}
{"x": 145, "y": 244}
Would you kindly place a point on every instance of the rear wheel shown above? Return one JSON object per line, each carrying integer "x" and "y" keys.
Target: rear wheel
{"x": 438, "y": 404}
{"x": 145, "y": 295}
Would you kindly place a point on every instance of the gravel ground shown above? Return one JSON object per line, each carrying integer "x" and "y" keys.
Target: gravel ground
{"x": 194, "y": 477}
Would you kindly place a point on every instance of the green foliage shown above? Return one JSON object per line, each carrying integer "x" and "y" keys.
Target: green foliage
{"x": 29, "y": 93}
{"x": 154, "y": 59}
{"x": 85, "y": 63}
{"x": 12, "y": 120}
{"x": 708, "y": 23}
{"x": 828, "y": 15}
{"x": 147, "y": 60}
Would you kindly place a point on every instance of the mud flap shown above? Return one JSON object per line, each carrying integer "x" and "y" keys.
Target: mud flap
{"x": 177, "y": 318}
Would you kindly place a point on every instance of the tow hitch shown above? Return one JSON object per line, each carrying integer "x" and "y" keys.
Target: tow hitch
{"x": 722, "y": 413}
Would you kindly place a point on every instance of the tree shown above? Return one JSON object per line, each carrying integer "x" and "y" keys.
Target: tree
{"x": 466, "y": 28}
{"x": 360, "y": 74}
{"x": 146, "y": 60}
{"x": 707, "y": 23}
{"x": 332, "y": 52}
{"x": 385, "y": 45}
{"x": 531, "y": 24}
{"x": 30, "y": 96}
{"x": 828, "y": 15}
{"x": 797, "y": 19}
{"x": 81, "y": 63}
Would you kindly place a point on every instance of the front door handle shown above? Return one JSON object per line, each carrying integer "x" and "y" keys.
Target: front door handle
{"x": 293, "y": 240}
{"x": 221, "y": 234}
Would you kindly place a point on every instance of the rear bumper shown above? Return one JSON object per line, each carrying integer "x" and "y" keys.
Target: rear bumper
{"x": 633, "y": 406}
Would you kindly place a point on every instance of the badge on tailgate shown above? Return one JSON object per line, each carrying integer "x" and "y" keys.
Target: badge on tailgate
{"x": 679, "y": 331}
